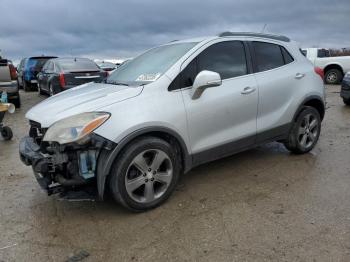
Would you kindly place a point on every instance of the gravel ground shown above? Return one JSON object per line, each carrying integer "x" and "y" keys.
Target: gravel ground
{"x": 261, "y": 205}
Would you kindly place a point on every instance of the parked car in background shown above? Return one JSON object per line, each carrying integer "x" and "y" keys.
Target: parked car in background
{"x": 345, "y": 89}
{"x": 334, "y": 67}
{"x": 172, "y": 108}
{"x": 28, "y": 70}
{"x": 60, "y": 74}
{"x": 107, "y": 66}
{"x": 8, "y": 82}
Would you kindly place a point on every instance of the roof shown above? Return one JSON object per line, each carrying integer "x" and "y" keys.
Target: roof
{"x": 251, "y": 34}
{"x": 235, "y": 34}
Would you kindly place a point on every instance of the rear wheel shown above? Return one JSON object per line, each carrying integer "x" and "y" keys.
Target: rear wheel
{"x": 6, "y": 133}
{"x": 16, "y": 101}
{"x": 305, "y": 131}
{"x": 346, "y": 101}
{"x": 333, "y": 76}
{"x": 145, "y": 174}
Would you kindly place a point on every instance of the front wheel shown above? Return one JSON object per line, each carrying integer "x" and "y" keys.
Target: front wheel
{"x": 304, "y": 132}
{"x": 52, "y": 91}
{"x": 145, "y": 174}
{"x": 346, "y": 101}
{"x": 6, "y": 133}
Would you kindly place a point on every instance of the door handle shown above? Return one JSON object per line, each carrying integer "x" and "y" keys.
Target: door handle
{"x": 299, "y": 76}
{"x": 247, "y": 90}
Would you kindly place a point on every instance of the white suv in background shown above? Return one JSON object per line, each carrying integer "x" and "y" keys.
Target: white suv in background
{"x": 172, "y": 108}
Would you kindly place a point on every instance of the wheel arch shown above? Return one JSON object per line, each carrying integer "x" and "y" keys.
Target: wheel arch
{"x": 333, "y": 66}
{"x": 108, "y": 157}
{"x": 313, "y": 101}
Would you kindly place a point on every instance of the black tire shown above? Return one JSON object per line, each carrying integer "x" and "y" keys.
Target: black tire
{"x": 6, "y": 133}
{"x": 41, "y": 92}
{"x": 26, "y": 86}
{"x": 16, "y": 102}
{"x": 346, "y": 101}
{"x": 120, "y": 172}
{"x": 333, "y": 76}
{"x": 19, "y": 86}
{"x": 300, "y": 130}
{"x": 52, "y": 90}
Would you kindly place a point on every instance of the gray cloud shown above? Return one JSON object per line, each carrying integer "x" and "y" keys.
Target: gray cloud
{"x": 111, "y": 29}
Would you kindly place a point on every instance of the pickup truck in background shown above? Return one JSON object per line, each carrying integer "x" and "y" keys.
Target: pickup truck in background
{"x": 8, "y": 82}
{"x": 334, "y": 67}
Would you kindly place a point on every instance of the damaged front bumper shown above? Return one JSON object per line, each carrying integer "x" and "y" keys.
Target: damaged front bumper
{"x": 59, "y": 168}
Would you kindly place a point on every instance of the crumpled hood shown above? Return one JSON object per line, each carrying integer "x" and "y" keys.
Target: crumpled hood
{"x": 85, "y": 98}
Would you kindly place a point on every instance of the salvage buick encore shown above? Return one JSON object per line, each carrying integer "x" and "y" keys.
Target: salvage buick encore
{"x": 170, "y": 109}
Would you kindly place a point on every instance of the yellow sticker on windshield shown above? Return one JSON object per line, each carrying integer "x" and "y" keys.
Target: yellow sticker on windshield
{"x": 148, "y": 77}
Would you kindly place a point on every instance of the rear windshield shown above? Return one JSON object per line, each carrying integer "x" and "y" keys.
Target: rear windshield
{"x": 77, "y": 65}
{"x": 37, "y": 62}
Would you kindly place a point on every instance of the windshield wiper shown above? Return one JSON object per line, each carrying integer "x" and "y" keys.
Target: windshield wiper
{"x": 116, "y": 83}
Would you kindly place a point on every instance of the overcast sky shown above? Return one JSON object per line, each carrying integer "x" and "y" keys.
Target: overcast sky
{"x": 120, "y": 29}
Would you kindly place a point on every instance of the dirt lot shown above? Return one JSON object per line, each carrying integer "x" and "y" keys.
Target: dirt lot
{"x": 260, "y": 205}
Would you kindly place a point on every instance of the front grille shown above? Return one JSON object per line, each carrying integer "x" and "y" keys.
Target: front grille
{"x": 36, "y": 132}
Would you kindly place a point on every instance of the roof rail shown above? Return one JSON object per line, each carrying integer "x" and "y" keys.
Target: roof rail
{"x": 275, "y": 37}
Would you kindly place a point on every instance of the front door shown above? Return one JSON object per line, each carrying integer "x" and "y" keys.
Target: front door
{"x": 223, "y": 119}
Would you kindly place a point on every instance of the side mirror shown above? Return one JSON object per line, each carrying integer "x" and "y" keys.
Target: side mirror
{"x": 203, "y": 80}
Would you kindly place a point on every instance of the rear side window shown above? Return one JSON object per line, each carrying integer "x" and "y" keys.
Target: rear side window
{"x": 323, "y": 53}
{"x": 226, "y": 58}
{"x": 50, "y": 67}
{"x": 303, "y": 52}
{"x": 268, "y": 56}
{"x": 286, "y": 56}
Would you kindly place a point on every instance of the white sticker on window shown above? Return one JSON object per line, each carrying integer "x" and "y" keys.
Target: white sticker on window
{"x": 148, "y": 77}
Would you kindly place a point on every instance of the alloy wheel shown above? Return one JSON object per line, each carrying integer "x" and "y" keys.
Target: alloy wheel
{"x": 148, "y": 176}
{"x": 308, "y": 131}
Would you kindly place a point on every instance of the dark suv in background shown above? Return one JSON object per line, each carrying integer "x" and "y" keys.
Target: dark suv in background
{"x": 28, "y": 70}
{"x": 63, "y": 73}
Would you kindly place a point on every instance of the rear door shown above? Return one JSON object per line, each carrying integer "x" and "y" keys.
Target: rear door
{"x": 278, "y": 77}
{"x": 42, "y": 76}
{"x": 223, "y": 119}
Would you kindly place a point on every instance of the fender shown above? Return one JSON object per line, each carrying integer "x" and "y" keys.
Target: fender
{"x": 305, "y": 101}
{"x": 106, "y": 157}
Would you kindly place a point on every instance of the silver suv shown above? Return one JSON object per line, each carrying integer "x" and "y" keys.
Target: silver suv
{"x": 172, "y": 108}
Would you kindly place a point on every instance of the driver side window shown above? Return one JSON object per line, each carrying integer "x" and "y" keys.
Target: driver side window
{"x": 226, "y": 58}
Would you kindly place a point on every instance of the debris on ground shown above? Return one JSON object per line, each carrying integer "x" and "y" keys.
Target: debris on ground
{"x": 78, "y": 257}
{"x": 5, "y": 247}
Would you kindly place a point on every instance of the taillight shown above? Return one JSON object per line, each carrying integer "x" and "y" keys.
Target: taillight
{"x": 62, "y": 81}
{"x": 13, "y": 72}
{"x": 319, "y": 71}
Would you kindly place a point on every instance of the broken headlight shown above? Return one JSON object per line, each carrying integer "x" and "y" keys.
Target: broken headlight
{"x": 75, "y": 128}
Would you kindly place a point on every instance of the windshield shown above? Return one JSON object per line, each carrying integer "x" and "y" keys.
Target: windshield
{"x": 149, "y": 66}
